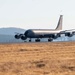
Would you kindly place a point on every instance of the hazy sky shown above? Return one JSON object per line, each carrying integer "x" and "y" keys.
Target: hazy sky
{"x": 37, "y": 14}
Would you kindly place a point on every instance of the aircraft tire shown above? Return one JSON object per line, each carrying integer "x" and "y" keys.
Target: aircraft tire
{"x": 37, "y": 40}
{"x": 50, "y": 39}
{"x": 30, "y": 40}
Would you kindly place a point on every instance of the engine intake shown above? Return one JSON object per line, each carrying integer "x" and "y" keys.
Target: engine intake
{"x": 17, "y": 36}
{"x": 23, "y": 37}
{"x": 69, "y": 34}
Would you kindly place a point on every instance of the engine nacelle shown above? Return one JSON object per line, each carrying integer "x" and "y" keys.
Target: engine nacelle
{"x": 55, "y": 36}
{"x": 69, "y": 34}
{"x": 23, "y": 37}
{"x": 17, "y": 36}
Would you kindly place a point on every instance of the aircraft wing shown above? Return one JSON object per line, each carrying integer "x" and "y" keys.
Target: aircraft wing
{"x": 68, "y": 33}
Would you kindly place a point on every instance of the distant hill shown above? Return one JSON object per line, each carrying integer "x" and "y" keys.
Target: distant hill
{"x": 9, "y": 39}
{"x": 11, "y": 31}
{"x": 7, "y": 34}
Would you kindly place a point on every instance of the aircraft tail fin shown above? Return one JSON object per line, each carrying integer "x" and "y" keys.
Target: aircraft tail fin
{"x": 59, "y": 25}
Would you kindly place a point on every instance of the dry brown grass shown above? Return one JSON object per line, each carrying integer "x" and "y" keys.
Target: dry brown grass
{"x": 37, "y": 59}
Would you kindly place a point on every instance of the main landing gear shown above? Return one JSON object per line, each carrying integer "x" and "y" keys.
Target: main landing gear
{"x": 50, "y": 39}
{"x": 37, "y": 40}
{"x": 30, "y": 40}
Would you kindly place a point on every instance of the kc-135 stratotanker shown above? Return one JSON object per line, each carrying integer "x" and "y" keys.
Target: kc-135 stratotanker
{"x": 46, "y": 33}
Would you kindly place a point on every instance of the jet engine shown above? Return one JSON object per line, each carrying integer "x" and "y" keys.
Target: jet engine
{"x": 18, "y": 36}
{"x": 69, "y": 34}
{"x": 54, "y": 36}
{"x": 23, "y": 37}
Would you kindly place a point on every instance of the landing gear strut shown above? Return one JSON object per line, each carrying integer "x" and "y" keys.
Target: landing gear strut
{"x": 30, "y": 40}
{"x": 37, "y": 40}
{"x": 50, "y": 39}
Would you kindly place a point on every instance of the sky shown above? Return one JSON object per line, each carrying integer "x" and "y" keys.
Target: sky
{"x": 37, "y": 14}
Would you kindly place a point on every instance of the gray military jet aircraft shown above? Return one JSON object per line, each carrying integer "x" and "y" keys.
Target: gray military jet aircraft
{"x": 45, "y": 33}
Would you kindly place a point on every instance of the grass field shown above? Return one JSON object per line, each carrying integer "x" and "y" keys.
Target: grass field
{"x": 37, "y": 58}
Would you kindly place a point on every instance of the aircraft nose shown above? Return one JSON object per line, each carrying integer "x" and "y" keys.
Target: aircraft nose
{"x": 26, "y": 33}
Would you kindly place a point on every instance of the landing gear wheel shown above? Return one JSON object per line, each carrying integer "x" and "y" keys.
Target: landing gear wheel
{"x": 37, "y": 40}
{"x": 50, "y": 39}
{"x": 30, "y": 40}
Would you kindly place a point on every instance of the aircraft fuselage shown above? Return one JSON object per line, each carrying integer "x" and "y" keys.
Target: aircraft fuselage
{"x": 40, "y": 33}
